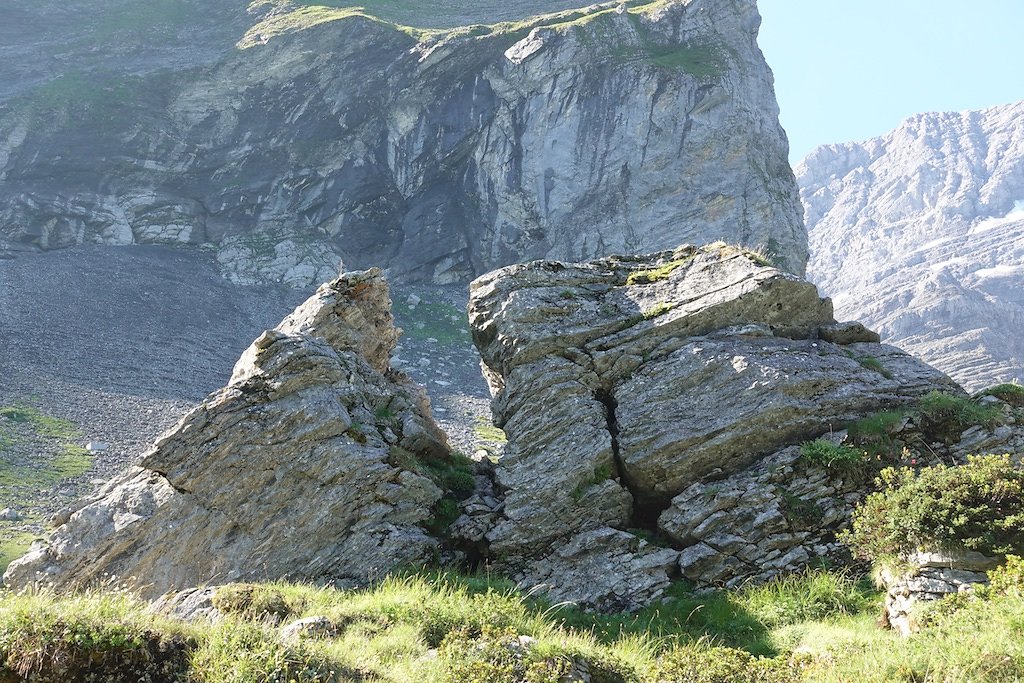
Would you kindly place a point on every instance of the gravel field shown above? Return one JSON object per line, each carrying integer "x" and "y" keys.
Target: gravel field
{"x": 123, "y": 341}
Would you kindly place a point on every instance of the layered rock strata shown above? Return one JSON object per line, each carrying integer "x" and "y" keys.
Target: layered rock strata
{"x": 660, "y": 395}
{"x": 920, "y": 234}
{"x": 328, "y": 134}
{"x": 929, "y": 576}
{"x": 298, "y": 468}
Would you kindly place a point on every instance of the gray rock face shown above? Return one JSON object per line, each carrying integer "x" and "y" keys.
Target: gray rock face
{"x": 331, "y": 135}
{"x": 930, "y": 576}
{"x": 288, "y": 471}
{"x": 920, "y": 234}
{"x": 659, "y": 393}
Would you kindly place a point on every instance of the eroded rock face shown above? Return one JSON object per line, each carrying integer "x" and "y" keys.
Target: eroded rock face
{"x": 929, "y": 576}
{"x": 291, "y": 470}
{"x": 663, "y": 393}
{"x": 439, "y": 156}
{"x": 920, "y": 234}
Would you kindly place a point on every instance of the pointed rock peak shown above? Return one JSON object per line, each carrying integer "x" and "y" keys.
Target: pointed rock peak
{"x": 315, "y": 462}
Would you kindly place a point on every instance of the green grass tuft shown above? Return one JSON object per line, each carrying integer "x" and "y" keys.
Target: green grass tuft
{"x": 1009, "y": 393}
{"x": 650, "y": 275}
{"x": 814, "y": 626}
{"x": 872, "y": 363}
{"x": 947, "y": 414}
{"x": 824, "y": 453}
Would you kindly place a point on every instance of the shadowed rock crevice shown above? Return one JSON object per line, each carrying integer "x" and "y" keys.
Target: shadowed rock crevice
{"x": 646, "y": 507}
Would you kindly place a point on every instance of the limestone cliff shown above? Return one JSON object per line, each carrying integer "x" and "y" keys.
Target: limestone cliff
{"x": 289, "y": 136}
{"x": 920, "y": 234}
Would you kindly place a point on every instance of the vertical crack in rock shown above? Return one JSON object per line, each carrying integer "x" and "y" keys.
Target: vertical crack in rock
{"x": 690, "y": 372}
{"x": 646, "y": 507}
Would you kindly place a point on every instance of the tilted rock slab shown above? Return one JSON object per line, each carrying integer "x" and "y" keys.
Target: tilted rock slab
{"x": 288, "y": 471}
{"x": 441, "y": 155}
{"x": 624, "y": 382}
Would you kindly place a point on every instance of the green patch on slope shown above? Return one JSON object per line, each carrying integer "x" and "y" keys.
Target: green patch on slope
{"x": 37, "y": 452}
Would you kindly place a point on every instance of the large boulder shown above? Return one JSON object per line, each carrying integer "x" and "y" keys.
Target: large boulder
{"x": 662, "y": 395}
{"x": 307, "y": 465}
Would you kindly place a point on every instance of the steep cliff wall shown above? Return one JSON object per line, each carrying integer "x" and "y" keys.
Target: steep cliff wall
{"x": 920, "y": 234}
{"x": 327, "y": 134}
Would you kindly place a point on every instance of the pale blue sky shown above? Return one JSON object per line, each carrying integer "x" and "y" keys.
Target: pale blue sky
{"x": 852, "y": 70}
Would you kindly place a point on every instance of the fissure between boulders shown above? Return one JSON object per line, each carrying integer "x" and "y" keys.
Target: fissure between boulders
{"x": 646, "y": 507}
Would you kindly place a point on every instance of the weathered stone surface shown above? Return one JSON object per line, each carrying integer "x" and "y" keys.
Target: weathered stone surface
{"x": 288, "y": 471}
{"x": 927, "y": 576}
{"x": 920, "y": 234}
{"x": 767, "y": 519}
{"x": 602, "y": 568}
{"x": 440, "y": 155}
{"x": 669, "y": 387}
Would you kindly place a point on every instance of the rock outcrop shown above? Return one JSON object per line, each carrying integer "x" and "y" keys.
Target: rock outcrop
{"x": 920, "y": 234}
{"x": 308, "y": 465}
{"x": 926, "y": 577}
{"x": 329, "y": 134}
{"x": 659, "y": 398}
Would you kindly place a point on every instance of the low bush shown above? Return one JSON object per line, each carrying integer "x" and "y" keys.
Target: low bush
{"x": 697, "y": 664}
{"x": 978, "y": 506}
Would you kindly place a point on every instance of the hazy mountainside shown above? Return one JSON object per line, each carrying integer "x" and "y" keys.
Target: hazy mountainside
{"x": 920, "y": 235}
{"x": 290, "y": 136}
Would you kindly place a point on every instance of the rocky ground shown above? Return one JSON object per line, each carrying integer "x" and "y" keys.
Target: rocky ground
{"x": 121, "y": 342}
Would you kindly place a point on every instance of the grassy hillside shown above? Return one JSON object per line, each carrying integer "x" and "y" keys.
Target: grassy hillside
{"x": 425, "y": 629}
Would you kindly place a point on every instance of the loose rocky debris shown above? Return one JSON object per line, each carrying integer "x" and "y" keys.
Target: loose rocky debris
{"x": 312, "y": 462}
{"x": 659, "y": 397}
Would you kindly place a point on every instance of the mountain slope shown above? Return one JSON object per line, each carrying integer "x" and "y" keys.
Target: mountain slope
{"x": 326, "y": 133}
{"x": 920, "y": 235}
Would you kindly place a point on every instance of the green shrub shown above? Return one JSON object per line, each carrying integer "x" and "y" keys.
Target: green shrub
{"x": 444, "y": 513}
{"x": 824, "y": 453}
{"x": 1008, "y": 578}
{"x": 697, "y": 664}
{"x": 977, "y": 506}
{"x": 254, "y": 601}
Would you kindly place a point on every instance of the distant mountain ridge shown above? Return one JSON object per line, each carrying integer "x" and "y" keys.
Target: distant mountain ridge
{"x": 920, "y": 234}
